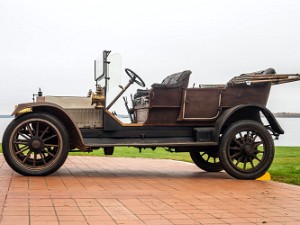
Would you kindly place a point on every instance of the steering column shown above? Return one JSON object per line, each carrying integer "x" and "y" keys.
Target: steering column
{"x": 134, "y": 78}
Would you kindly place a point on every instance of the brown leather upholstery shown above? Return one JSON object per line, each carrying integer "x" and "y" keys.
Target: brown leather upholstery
{"x": 175, "y": 80}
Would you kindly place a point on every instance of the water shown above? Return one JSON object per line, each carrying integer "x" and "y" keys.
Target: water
{"x": 3, "y": 124}
{"x": 291, "y": 127}
{"x": 291, "y": 136}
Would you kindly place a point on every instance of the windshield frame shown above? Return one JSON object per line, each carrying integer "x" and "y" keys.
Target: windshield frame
{"x": 108, "y": 75}
{"x": 104, "y": 73}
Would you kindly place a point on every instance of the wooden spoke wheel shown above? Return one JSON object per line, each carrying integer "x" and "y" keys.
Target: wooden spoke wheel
{"x": 207, "y": 158}
{"x": 35, "y": 144}
{"x": 246, "y": 150}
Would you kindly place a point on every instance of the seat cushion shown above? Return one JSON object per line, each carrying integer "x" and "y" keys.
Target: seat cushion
{"x": 175, "y": 80}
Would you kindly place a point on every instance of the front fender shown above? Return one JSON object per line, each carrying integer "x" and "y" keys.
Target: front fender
{"x": 57, "y": 111}
{"x": 246, "y": 112}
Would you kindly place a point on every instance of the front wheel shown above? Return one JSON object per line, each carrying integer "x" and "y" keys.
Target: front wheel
{"x": 35, "y": 144}
{"x": 246, "y": 150}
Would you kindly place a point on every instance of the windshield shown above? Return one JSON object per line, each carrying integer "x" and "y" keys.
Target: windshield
{"x": 115, "y": 80}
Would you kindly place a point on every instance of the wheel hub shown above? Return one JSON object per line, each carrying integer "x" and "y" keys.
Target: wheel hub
{"x": 36, "y": 144}
{"x": 248, "y": 149}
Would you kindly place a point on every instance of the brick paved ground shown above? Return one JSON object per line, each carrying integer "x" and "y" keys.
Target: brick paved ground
{"x": 93, "y": 190}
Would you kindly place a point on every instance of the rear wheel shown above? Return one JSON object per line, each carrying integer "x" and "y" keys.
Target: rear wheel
{"x": 35, "y": 144}
{"x": 246, "y": 150}
{"x": 207, "y": 158}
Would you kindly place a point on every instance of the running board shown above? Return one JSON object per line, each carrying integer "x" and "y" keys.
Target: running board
{"x": 149, "y": 142}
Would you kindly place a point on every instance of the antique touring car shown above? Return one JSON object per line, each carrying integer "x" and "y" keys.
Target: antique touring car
{"x": 219, "y": 125}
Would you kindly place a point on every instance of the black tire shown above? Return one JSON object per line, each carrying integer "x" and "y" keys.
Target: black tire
{"x": 207, "y": 159}
{"x": 246, "y": 150}
{"x": 36, "y": 144}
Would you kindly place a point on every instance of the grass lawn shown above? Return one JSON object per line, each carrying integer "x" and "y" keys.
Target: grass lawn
{"x": 285, "y": 167}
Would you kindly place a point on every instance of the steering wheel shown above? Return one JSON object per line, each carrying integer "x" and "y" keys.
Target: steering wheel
{"x": 134, "y": 77}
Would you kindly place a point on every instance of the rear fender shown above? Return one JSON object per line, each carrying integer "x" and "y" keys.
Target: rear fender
{"x": 246, "y": 112}
{"x": 57, "y": 111}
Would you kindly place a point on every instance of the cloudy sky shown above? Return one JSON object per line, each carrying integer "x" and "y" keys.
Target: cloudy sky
{"x": 52, "y": 44}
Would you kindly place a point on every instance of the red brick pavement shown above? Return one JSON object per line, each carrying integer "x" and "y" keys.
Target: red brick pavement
{"x": 103, "y": 190}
